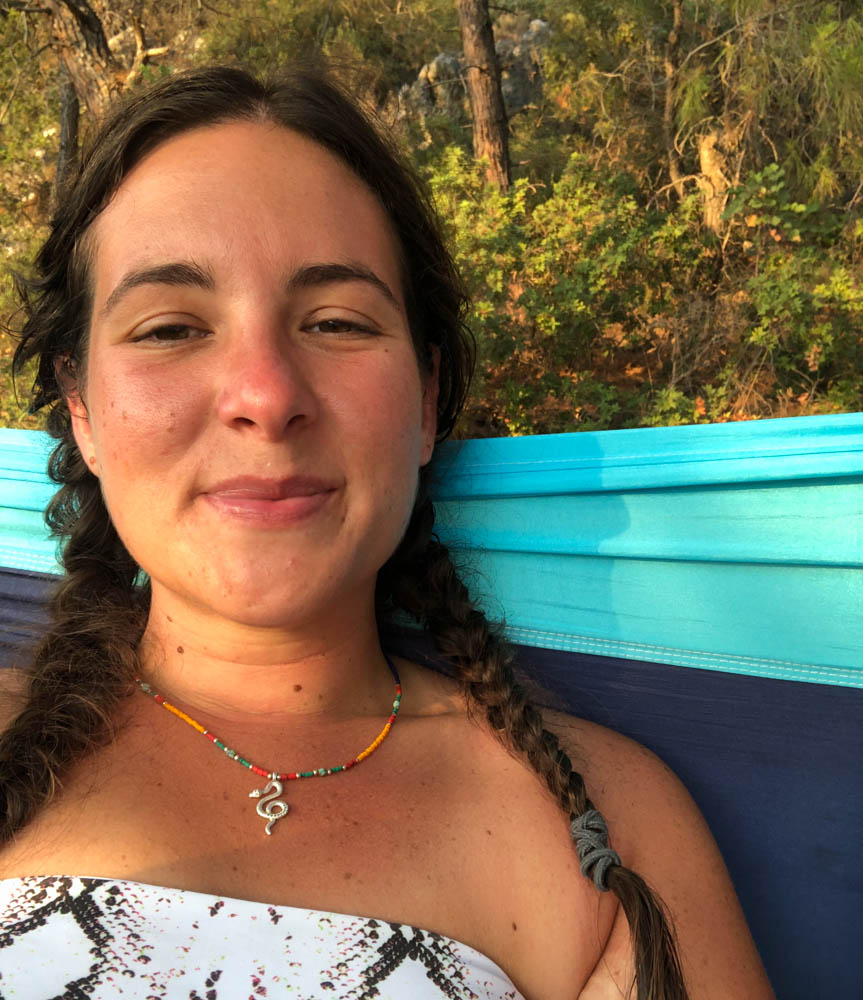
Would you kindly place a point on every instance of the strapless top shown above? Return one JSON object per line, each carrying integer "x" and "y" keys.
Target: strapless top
{"x": 81, "y": 938}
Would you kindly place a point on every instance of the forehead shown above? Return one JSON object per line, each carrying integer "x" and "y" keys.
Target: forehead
{"x": 241, "y": 195}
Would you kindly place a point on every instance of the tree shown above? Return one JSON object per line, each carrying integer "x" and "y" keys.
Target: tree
{"x": 84, "y": 52}
{"x": 490, "y": 127}
{"x": 67, "y": 152}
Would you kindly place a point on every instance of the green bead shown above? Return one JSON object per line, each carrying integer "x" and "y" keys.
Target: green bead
{"x": 335, "y": 770}
{"x": 307, "y": 774}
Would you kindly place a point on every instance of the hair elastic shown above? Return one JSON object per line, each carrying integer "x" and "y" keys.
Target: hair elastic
{"x": 590, "y": 834}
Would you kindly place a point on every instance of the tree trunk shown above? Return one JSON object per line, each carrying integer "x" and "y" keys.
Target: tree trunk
{"x": 668, "y": 129}
{"x": 712, "y": 181}
{"x": 490, "y": 128}
{"x": 84, "y": 52}
{"x": 67, "y": 157}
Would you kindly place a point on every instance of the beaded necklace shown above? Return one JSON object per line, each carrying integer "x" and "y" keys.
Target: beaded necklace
{"x": 270, "y": 806}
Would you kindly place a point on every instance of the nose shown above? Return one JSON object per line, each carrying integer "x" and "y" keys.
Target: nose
{"x": 265, "y": 388}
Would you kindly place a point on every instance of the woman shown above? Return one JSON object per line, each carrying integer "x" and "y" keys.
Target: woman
{"x": 250, "y": 335}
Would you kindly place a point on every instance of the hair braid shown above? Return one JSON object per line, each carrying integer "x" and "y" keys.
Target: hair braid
{"x": 423, "y": 581}
{"x": 84, "y": 664}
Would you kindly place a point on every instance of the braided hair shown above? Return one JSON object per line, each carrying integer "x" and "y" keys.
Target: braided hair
{"x": 85, "y": 663}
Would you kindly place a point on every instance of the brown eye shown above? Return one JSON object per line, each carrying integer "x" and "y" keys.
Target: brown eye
{"x": 170, "y": 333}
{"x": 339, "y": 326}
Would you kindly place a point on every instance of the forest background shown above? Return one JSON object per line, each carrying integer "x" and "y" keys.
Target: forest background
{"x": 679, "y": 238}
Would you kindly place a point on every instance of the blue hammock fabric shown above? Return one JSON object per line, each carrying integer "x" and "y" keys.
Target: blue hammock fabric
{"x": 696, "y": 588}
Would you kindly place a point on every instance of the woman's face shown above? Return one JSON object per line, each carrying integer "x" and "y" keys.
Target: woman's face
{"x": 252, "y": 402}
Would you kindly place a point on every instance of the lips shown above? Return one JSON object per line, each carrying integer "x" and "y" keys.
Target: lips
{"x": 270, "y": 502}
{"x": 254, "y": 488}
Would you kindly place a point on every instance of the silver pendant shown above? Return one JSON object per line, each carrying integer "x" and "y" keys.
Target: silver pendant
{"x": 271, "y": 807}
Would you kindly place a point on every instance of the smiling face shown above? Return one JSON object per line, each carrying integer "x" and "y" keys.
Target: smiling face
{"x": 252, "y": 402}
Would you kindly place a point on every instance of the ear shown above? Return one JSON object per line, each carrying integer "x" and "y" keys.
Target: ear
{"x": 431, "y": 387}
{"x": 67, "y": 380}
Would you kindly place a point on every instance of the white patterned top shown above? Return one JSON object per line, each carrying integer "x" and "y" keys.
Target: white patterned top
{"x": 83, "y": 938}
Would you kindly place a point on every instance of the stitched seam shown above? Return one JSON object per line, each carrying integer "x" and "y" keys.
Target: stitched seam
{"x": 719, "y": 661}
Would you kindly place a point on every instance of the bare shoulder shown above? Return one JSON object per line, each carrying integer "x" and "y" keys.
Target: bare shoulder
{"x": 13, "y": 693}
{"x": 659, "y": 832}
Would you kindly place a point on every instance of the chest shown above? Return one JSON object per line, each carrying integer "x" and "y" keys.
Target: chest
{"x": 440, "y": 829}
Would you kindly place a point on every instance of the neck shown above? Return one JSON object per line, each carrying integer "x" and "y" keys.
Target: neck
{"x": 266, "y": 674}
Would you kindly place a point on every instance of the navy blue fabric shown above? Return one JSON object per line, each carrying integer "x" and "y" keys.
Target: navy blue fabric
{"x": 775, "y": 766}
{"x": 22, "y": 600}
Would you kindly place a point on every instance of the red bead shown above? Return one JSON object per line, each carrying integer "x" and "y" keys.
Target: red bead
{"x": 291, "y": 777}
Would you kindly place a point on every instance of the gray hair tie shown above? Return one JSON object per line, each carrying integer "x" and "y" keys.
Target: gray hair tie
{"x": 590, "y": 834}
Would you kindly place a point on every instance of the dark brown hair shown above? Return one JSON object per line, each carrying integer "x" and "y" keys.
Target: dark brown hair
{"x": 85, "y": 663}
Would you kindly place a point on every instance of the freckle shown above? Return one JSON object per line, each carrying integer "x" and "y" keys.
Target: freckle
{"x": 170, "y": 619}
{"x": 514, "y": 926}
{"x": 348, "y": 876}
{"x": 488, "y": 832}
{"x": 298, "y": 687}
{"x": 180, "y": 650}
{"x": 320, "y": 697}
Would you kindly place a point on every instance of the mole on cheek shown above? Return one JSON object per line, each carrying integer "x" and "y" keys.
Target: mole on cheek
{"x": 179, "y": 649}
{"x": 298, "y": 687}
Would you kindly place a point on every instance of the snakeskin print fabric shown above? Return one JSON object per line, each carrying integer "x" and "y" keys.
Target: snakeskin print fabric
{"x": 86, "y": 938}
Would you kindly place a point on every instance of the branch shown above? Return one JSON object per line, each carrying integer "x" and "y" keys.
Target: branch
{"x": 6, "y": 6}
{"x": 667, "y": 187}
{"x": 215, "y": 10}
{"x": 737, "y": 27}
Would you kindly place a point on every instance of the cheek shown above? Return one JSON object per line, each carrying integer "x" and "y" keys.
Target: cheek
{"x": 389, "y": 418}
{"x": 139, "y": 431}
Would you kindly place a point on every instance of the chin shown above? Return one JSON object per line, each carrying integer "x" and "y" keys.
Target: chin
{"x": 292, "y": 609}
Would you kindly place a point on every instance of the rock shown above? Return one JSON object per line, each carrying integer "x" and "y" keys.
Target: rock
{"x": 439, "y": 87}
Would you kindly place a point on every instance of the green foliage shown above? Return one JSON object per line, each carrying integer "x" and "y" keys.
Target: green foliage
{"x": 594, "y": 309}
{"x": 378, "y": 43}
{"x": 605, "y": 295}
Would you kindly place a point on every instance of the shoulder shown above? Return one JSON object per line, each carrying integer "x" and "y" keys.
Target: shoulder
{"x": 653, "y": 822}
{"x": 626, "y": 781}
{"x": 659, "y": 832}
{"x": 13, "y": 694}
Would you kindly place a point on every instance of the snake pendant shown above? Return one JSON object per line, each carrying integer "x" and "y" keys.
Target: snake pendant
{"x": 271, "y": 807}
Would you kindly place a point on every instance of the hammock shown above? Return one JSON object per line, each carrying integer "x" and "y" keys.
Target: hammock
{"x": 697, "y": 588}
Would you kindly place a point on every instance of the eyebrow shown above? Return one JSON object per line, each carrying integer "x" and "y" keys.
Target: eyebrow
{"x": 173, "y": 273}
{"x": 191, "y": 274}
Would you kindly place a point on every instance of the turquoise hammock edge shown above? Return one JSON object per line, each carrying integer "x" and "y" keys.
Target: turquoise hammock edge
{"x": 730, "y": 547}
